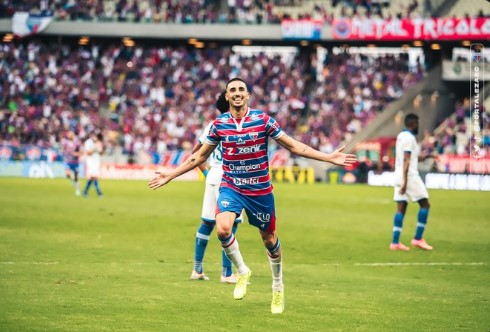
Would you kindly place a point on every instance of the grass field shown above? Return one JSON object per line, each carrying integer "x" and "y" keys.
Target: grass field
{"x": 122, "y": 263}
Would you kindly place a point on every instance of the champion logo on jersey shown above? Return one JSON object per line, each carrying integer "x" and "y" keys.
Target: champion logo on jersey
{"x": 225, "y": 203}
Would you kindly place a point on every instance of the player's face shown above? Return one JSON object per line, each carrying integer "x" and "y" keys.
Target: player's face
{"x": 237, "y": 94}
{"x": 415, "y": 129}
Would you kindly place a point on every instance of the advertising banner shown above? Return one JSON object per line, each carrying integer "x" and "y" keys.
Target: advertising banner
{"x": 411, "y": 29}
{"x": 302, "y": 29}
{"x": 463, "y": 164}
{"x": 32, "y": 169}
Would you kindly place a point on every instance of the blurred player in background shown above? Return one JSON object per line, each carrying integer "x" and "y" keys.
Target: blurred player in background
{"x": 211, "y": 193}
{"x": 93, "y": 148}
{"x": 409, "y": 184}
{"x": 243, "y": 134}
{"x": 71, "y": 155}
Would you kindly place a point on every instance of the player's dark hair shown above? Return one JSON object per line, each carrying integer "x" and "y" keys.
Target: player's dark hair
{"x": 410, "y": 119}
{"x": 239, "y": 80}
{"x": 221, "y": 103}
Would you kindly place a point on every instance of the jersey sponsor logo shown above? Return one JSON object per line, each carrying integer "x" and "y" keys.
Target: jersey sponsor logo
{"x": 244, "y": 150}
{"x": 244, "y": 182}
{"x": 244, "y": 168}
{"x": 263, "y": 217}
{"x": 255, "y": 117}
{"x": 241, "y": 139}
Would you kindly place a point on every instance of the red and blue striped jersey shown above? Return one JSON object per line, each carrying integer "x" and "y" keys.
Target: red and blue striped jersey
{"x": 244, "y": 145}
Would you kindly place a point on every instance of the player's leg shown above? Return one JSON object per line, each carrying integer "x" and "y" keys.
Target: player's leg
{"x": 230, "y": 205}
{"x": 401, "y": 209}
{"x": 75, "y": 179}
{"x": 418, "y": 241}
{"x": 261, "y": 214}
{"x": 204, "y": 231}
{"x": 227, "y": 275}
{"x": 97, "y": 187}
{"x": 418, "y": 192}
{"x": 224, "y": 230}
{"x": 274, "y": 254}
{"x": 202, "y": 238}
{"x": 87, "y": 186}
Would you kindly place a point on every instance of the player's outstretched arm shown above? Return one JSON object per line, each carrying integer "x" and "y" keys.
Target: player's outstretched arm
{"x": 195, "y": 160}
{"x": 338, "y": 157}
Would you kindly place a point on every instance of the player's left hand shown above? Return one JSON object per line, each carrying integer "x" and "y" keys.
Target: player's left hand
{"x": 159, "y": 180}
{"x": 342, "y": 159}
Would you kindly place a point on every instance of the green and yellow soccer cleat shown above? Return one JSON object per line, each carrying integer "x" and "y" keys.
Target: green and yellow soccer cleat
{"x": 241, "y": 285}
{"x": 277, "y": 305}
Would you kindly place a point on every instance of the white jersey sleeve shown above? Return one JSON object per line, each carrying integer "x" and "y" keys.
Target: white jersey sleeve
{"x": 406, "y": 142}
{"x": 216, "y": 158}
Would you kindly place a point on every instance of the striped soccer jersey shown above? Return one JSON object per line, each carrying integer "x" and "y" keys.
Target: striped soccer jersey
{"x": 244, "y": 146}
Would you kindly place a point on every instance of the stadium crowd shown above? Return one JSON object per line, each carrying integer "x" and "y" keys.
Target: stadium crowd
{"x": 229, "y": 11}
{"x": 158, "y": 98}
{"x": 352, "y": 89}
{"x": 142, "y": 98}
{"x": 453, "y": 136}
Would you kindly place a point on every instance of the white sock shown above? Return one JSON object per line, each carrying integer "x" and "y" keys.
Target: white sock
{"x": 276, "y": 268}
{"x": 232, "y": 250}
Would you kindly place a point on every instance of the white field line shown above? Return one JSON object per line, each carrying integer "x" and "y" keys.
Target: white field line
{"x": 323, "y": 264}
{"x": 30, "y": 263}
{"x": 422, "y": 264}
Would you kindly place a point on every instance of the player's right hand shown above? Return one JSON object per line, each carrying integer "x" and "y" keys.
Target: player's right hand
{"x": 403, "y": 188}
{"x": 159, "y": 180}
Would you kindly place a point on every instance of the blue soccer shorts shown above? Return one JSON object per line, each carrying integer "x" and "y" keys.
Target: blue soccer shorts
{"x": 260, "y": 210}
{"x": 72, "y": 166}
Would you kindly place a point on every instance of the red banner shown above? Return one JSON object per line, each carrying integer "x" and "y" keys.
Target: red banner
{"x": 463, "y": 164}
{"x": 411, "y": 29}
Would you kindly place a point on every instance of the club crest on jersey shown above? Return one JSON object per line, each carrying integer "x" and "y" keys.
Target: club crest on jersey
{"x": 225, "y": 203}
{"x": 253, "y": 135}
{"x": 273, "y": 124}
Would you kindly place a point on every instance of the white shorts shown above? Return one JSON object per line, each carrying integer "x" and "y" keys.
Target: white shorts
{"x": 92, "y": 169}
{"x": 211, "y": 193}
{"x": 415, "y": 191}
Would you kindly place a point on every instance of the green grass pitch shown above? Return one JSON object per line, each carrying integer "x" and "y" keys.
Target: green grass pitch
{"x": 122, "y": 263}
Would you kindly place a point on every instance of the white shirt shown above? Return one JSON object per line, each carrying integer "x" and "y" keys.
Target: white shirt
{"x": 92, "y": 161}
{"x": 216, "y": 158}
{"x": 215, "y": 161}
{"x": 406, "y": 142}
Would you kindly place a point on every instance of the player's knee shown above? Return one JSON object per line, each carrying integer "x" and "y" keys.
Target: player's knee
{"x": 424, "y": 203}
{"x": 269, "y": 240}
{"x": 223, "y": 233}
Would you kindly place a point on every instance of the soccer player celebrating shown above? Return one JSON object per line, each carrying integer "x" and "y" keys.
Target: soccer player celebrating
{"x": 211, "y": 193}
{"x": 408, "y": 184}
{"x": 243, "y": 134}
